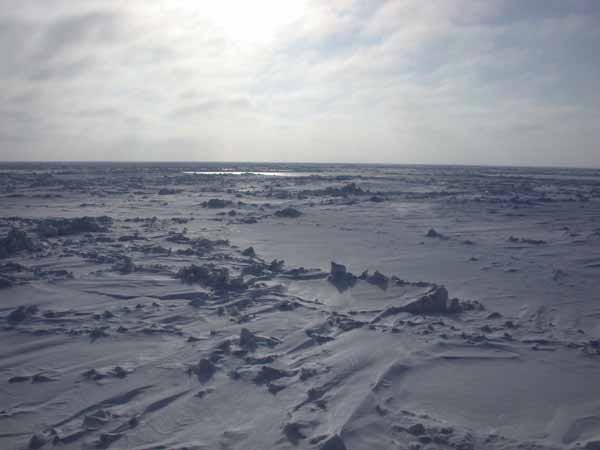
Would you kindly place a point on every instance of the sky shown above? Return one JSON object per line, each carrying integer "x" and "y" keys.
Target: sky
{"x": 512, "y": 82}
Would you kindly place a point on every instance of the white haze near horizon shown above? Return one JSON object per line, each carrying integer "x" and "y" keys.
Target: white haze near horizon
{"x": 400, "y": 81}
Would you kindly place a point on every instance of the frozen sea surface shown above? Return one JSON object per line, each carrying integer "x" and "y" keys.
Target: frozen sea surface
{"x": 134, "y": 315}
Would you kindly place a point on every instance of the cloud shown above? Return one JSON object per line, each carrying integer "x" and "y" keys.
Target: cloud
{"x": 64, "y": 70}
{"x": 207, "y": 106}
{"x": 71, "y": 32}
{"x": 466, "y": 81}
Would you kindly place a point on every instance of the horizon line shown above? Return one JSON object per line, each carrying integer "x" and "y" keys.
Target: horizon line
{"x": 524, "y": 166}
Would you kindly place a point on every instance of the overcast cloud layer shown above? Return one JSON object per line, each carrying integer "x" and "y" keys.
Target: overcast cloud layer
{"x": 447, "y": 81}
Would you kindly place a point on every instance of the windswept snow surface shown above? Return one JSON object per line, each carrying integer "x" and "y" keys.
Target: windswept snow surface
{"x": 158, "y": 306}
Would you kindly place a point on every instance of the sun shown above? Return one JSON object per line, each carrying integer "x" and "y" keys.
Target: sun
{"x": 251, "y": 22}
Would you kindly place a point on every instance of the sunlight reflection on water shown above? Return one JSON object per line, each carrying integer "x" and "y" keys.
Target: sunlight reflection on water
{"x": 269, "y": 174}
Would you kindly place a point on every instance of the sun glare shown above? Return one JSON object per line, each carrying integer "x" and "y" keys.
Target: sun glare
{"x": 251, "y": 22}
